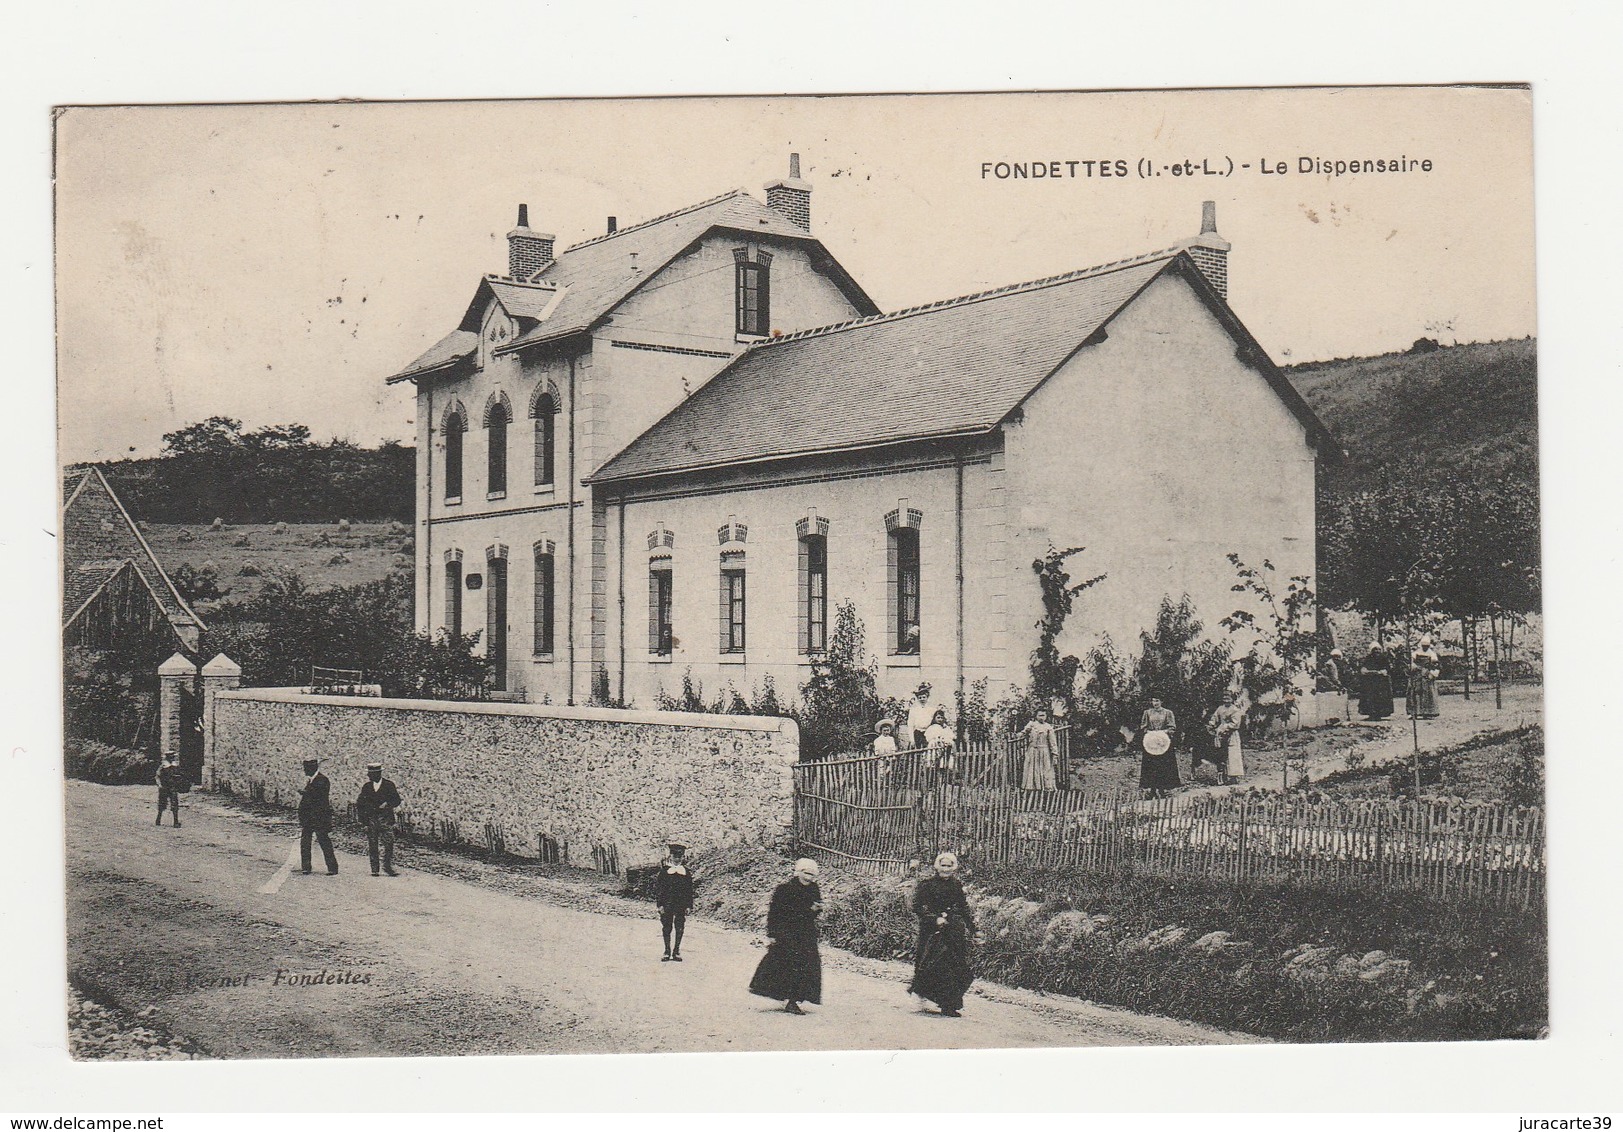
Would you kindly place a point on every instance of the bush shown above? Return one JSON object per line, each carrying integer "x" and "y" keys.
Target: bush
{"x": 841, "y": 698}
{"x": 96, "y": 761}
{"x": 287, "y": 628}
{"x": 1176, "y": 662}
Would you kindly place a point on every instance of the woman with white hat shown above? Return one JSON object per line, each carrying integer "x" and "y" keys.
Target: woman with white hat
{"x": 941, "y": 972}
{"x": 792, "y": 970}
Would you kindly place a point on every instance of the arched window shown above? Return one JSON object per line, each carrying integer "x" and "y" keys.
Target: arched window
{"x": 545, "y": 411}
{"x": 497, "y": 417}
{"x": 454, "y": 425}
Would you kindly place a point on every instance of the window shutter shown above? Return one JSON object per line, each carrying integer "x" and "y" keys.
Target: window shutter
{"x": 653, "y": 611}
{"x": 453, "y": 458}
{"x": 893, "y": 598}
{"x": 763, "y": 300}
{"x": 725, "y": 619}
{"x": 805, "y": 596}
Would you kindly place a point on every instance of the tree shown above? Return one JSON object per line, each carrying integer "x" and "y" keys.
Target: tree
{"x": 213, "y": 437}
{"x": 841, "y": 699}
{"x": 1053, "y": 677}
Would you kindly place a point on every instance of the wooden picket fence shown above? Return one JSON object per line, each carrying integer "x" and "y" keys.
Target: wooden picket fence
{"x": 886, "y": 815}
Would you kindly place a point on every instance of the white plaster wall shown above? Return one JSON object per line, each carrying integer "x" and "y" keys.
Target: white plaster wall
{"x": 855, "y": 506}
{"x": 691, "y": 304}
{"x": 1160, "y": 452}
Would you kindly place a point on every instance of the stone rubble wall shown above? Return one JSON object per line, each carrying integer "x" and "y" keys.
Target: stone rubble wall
{"x": 601, "y": 781}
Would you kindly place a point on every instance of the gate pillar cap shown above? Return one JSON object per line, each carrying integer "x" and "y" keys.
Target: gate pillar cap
{"x": 222, "y": 665}
{"x": 177, "y": 665}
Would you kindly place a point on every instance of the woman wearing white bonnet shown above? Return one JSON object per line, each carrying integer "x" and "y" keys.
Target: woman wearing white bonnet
{"x": 792, "y": 971}
{"x": 941, "y": 971}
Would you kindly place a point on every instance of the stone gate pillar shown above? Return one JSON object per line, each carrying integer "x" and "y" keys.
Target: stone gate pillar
{"x": 174, "y": 675}
{"x": 218, "y": 674}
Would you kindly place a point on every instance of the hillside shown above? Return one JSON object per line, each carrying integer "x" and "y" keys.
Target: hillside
{"x": 1470, "y": 406}
{"x": 300, "y": 483}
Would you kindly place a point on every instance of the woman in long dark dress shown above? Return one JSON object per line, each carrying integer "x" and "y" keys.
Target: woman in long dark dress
{"x": 1375, "y": 685}
{"x": 1158, "y": 769}
{"x": 941, "y": 972}
{"x": 792, "y": 971}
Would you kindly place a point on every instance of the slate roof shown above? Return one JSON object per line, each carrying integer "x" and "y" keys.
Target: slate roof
{"x": 952, "y": 368}
{"x": 98, "y": 540}
{"x": 599, "y": 274}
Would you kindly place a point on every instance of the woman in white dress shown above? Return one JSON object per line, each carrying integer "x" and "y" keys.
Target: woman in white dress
{"x": 1042, "y": 754}
{"x": 1225, "y": 728}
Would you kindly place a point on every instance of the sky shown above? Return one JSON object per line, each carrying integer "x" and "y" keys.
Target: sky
{"x": 274, "y": 263}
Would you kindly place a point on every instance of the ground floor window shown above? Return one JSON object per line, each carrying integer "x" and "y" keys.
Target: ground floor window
{"x": 732, "y": 610}
{"x": 660, "y": 635}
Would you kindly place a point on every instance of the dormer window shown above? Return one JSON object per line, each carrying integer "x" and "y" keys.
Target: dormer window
{"x": 754, "y": 290}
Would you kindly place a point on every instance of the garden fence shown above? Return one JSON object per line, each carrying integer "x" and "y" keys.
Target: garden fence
{"x": 888, "y": 814}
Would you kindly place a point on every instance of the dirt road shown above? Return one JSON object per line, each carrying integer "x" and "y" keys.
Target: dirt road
{"x": 205, "y": 924}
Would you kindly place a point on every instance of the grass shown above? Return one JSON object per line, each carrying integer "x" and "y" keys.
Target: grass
{"x": 1506, "y": 766}
{"x": 1297, "y": 963}
{"x": 322, "y": 555}
{"x": 1475, "y": 403}
{"x": 1263, "y": 759}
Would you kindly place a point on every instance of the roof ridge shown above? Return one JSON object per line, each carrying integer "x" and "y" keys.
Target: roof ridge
{"x": 547, "y": 284}
{"x": 658, "y": 219}
{"x": 975, "y": 296}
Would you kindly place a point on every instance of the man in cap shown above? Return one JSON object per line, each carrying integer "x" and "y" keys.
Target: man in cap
{"x": 315, "y": 817}
{"x": 673, "y": 894}
{"x": 375, "y": 808}
{"x": 169, "y": 786}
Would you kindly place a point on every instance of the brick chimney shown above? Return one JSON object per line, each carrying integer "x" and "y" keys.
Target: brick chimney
{"x": 791, "y": 196}
{"x": 528, "y": 253}
{"x": 1209, "y": 250}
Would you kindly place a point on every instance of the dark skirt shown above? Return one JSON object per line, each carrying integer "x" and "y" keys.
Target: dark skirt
{"x": 1158, "y": 772}
{"x": 791, "y": 970}
{"x": 941, "y": 970}
{"x": 1374, "y": 695}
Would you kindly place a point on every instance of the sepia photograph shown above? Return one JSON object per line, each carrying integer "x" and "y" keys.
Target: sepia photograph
{"x": 743, "y": 574}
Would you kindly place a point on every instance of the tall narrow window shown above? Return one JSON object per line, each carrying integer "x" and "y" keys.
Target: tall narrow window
{"x": 546, "y": 411}
{"x": 754, "y": 290}
{"x": 732, "y": 609}
{"x": 453, "y": 596}
{"x": 660, "y": 637}
{"x": 544, "y": 592}
{"x": 496, "y": 619}
{"x": 904, "y": 553}
{"x": 813, "y": 594}
{"x": 455, "y": 426}
{"x": 496, "y": 433}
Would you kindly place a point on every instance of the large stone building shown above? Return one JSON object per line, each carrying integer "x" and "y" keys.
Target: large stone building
{"x": 679, "y": 446}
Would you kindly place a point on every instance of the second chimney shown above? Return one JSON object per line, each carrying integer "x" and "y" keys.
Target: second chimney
{"x": 528, "y": 253}
{"x": 791, "y": 196}
{"x": 1210, "y": 251}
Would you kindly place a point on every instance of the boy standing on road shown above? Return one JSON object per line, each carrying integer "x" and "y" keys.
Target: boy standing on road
{"x": 673, "y": 894}
{"x": 169, "y": 784}
{"x": 375, "y": 807}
